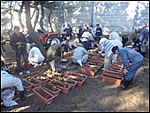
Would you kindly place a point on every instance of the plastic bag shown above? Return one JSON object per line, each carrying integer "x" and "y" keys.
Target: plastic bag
{"x": 7, "y": 96}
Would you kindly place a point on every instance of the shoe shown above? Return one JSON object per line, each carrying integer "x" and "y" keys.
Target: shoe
{"x": 36, "y": 65}
{"x": 126, "y": 83}
{"x": 27, "y": 72}
{"x": 21, "y": 93}
{"x": 20, "y": 73}
{"x": 79, "y": 62}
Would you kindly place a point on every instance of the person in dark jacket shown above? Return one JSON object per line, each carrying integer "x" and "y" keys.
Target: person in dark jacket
{"x": 68, "y": 31}
{"x": 98, "y": 32}
{"x": 18, "y": 43}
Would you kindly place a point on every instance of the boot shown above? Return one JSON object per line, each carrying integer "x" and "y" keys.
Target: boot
{"x": 21, "y": 93}
{"x": 125, "y": 85}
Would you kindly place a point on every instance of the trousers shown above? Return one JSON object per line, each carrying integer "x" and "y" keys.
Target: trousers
{"x": 133, "y": 69}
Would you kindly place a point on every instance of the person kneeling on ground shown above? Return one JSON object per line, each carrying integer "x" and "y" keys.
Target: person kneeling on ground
{"x": 128, "y": 56}
{"x": 35, "y": 56}
{"x": 55, "y": 54}
{"x": 8, "y": 80}
{"x": 80, "y": 55}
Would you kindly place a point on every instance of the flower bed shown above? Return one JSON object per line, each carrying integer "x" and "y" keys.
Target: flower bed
{"x": 26, "y": 85}
{"x": 79, "y": 78}
{"x": 32, "y": 81}
{"x": 43, "y": 95}
{"x": 51, "y": 88}
{"x": 41, "y": 78}
{"x": 31, "y": 74}
{"x": 65, "y": 88}
{"x": 110, "y": 79}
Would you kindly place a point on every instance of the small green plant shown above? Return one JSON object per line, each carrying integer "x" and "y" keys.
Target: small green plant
{"x": 79, "y": 78}
{"x": 92, "y": 70}
{"x": 59, "y": 78}
{"x": 38, "y": 89}
{"x": 43, "y": 83}
{"x": 38, "y": 77}
{"x": 65, "y": 84}
{"x": 53, "y": 81}
{"x": 47, "y": 97}
{"x": 54, "y": 88}
{"x": 72, "y": 81}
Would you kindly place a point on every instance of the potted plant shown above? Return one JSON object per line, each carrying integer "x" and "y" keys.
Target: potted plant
{"x": 43, "y": 95}
{"x": 33, "y": 81}
{"x": 51, "y": 88}
{"x": 26, "y": 85}
{"x": 65, "y": 88}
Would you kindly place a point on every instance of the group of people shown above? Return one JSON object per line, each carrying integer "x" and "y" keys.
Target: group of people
{"x": 112, "y": 46}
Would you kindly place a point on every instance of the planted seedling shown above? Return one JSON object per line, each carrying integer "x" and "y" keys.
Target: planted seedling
{"x": 38, "y": 89}
{"x": 79, "y": 78}
{"x": 54, "y": 88}
{"x": 59, "y": 78}
{"x": 47, "y": 97}
{"x": 38, "y": 77}
{"x": 43, "y": 83}
{"x": 72, "y": 81}
{"x": 53, "y": 81}
{"x": 92, "y": 70}
{"x": 65, "y": 84}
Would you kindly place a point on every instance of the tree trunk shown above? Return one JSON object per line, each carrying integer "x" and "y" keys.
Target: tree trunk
{"x": 31, "y": 31}
{"x": 19, "y": 13}
{"x": 37, "y": 15}
{"x": 42, "y": 16}
{"x": 10, "y": 20}
{"x": 49, "y": 20}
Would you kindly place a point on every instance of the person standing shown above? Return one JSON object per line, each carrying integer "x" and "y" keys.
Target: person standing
{"x": 144, "y": 37}
{"x": 18, "y": 44}
{"x": 98, "y": 32}
{"x": 132, "y": 60}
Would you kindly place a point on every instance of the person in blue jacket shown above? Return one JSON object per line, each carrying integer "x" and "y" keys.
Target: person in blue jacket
{"x": 129, "y": 56}
{"x": 144, "y": 37}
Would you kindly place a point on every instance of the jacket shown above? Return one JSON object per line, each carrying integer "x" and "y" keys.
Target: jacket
{"x": 15, "y": 38}
{"x": 54, "y": 52}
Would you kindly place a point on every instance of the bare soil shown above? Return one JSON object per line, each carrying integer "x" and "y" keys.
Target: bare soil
{"x": 94, "y": 95}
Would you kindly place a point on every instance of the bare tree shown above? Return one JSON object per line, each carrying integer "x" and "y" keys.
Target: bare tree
{"x": 37, "y": 14}
{"x": 30, "y": 29}
{"x": 42, "y": 16}
{"x": 11, "y": 20}
{"x": 19, "y": 13}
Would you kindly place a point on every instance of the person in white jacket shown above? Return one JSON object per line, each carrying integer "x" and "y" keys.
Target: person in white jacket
{"x": 35, "y": 56}
{"x": 8, "y": 80}
{"x": 114, "y": 36}
{"x": 106, "y": 46}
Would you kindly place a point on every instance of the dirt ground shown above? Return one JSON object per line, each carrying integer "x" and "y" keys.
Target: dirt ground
{"x": 94, "y": 95}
